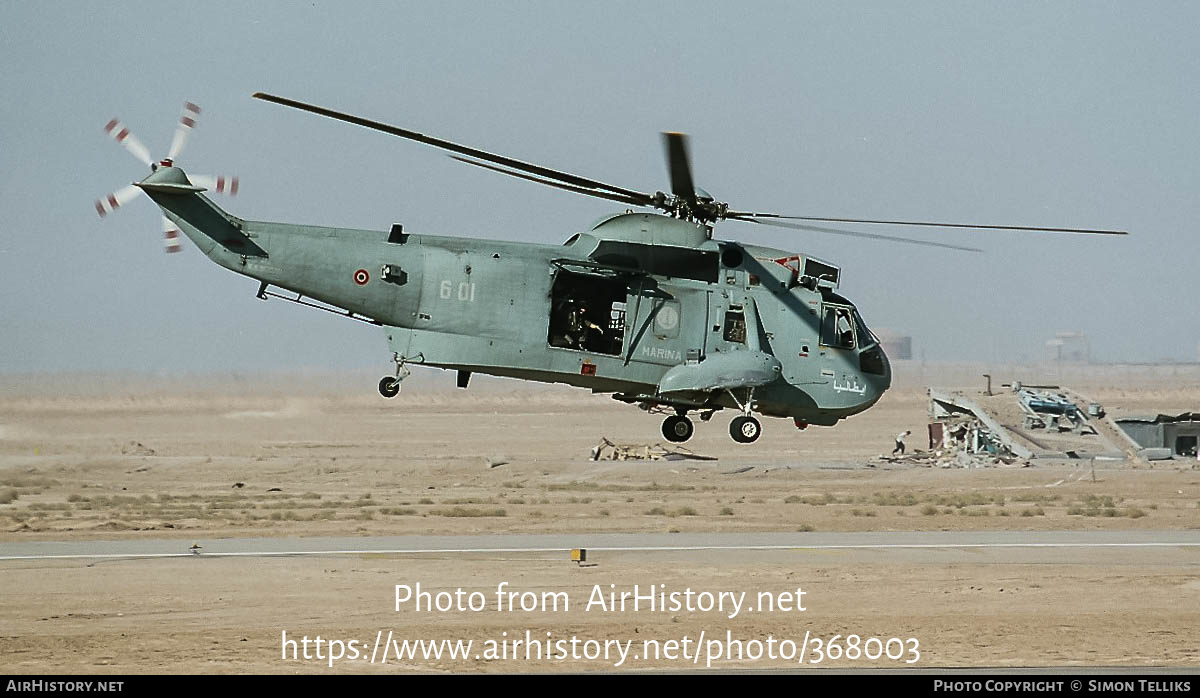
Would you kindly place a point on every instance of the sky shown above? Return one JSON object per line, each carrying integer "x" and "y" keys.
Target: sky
{"x": 1063, "y": 114}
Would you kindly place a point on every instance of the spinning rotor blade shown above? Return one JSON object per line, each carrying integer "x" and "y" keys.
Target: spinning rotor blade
{"x": 550, "y": 183}
{"x": 218, "y": 183}
{"x": 187, "y": 121}
{"x": 756, "y": 217}
{"x": 172, "y": 240}
{"x": 849, "y": 233}
{"x": 117, "y": 199}
{"x": 583, "y": 185}
{"x": 679, "y": 166}
{"x": 121, "y": 134}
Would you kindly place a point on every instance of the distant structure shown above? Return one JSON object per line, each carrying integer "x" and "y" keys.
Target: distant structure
{"x": 1070, "y": 348}
{"x": 895, "y": 345}
{"x": 1164, "y": 435}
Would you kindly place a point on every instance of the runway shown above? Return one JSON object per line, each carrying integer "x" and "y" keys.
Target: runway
{"x": 1059, "y": 547}
{"x": 972, "y": 599}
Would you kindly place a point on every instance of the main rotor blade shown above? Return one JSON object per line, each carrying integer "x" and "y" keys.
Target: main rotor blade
{"x": 679, "y": 166}
{"x": 582, "y": 182}
{"x": 743, "y": 215}
{"x": 850, "y": 233}
{"x": 187, "y": 121}
{"x": 579, "y": 190}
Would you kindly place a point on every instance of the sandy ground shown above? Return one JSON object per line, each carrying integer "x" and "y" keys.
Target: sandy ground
{"x": 236, "y": 458}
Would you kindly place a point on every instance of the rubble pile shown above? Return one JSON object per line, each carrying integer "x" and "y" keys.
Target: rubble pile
{"x": 607, "y": 450}
{"x": 961, "y": 442}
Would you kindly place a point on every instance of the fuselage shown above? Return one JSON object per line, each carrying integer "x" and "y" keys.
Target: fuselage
{"x": 613, "y": 310}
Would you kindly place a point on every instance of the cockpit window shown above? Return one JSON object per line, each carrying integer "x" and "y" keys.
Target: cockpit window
{"x": 837, "y": 328}
{"x": 865, "y": 336}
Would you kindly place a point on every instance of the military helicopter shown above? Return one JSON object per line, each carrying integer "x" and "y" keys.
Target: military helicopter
{"x": 647, "y": 306}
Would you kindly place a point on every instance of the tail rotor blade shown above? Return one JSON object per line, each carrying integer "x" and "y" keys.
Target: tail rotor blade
{"x": 120, "y": 133}
{"x": 172, "y": 240}
{"x": 187, "y": 121}
{"x": 218, "y": 183}
{"x": 117, "y": 199}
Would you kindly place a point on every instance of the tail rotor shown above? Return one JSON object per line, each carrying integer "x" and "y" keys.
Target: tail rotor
{"x": 118, "y": 131}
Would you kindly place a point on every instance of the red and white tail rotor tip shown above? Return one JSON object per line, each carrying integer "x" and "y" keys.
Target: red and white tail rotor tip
{"x": 187, "y": 121}
{"x": 218, "y": 183}
{"x": 117, "y": 199}
{"x": 172, "y": 242}
{"x": 120, "y": 133}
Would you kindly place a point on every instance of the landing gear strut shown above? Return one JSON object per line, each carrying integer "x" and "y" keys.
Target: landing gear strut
{"x": 677, "y": 428}
{"x": 744, "y": 429}
{"x": 389, "y": 386}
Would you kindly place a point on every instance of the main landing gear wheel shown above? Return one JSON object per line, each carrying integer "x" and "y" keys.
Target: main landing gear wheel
{"x": 677, "y": 428}
{"x": 389, "y": 386}
{"x": 745, "y": 430}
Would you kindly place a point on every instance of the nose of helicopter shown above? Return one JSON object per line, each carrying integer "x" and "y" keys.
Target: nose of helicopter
{"x": 876, "y": 368}
{"x": 884, "y": 381}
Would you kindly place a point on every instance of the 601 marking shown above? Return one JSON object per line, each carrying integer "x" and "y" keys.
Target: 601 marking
{"x": 466, "y": 291}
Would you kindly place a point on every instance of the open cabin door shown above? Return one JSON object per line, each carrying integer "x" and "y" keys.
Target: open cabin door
{"x": 587, "y": 310}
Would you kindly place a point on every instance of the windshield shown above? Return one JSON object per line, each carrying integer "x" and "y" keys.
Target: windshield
{"x": 865, "y": 336}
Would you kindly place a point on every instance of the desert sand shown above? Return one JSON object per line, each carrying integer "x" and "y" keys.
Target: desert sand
{"x": 202, "y": 460}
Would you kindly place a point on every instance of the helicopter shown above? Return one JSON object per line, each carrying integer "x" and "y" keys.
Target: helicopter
{"x": 645, "y": 305}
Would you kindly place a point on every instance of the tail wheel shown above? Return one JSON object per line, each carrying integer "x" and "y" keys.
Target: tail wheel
{"x": 745, "y": 430}
{"x": 389, "y": 386}
{"x": 677, "y": 429}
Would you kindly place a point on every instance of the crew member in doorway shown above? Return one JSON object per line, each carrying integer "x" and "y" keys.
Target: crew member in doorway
{"x": 579, "y": 327}
{"x": 899, "y": 450}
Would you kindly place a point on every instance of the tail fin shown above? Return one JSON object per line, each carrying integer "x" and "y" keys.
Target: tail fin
{"x": 197, "y": 216}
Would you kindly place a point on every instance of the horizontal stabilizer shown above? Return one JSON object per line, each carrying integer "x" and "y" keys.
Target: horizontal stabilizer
{"x": 169, "y": 187}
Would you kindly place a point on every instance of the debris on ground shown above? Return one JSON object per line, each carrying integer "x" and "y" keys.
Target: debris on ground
{"x": 135, "y": 448}
{"x": 953, "y": 457}
{"x": 607, "y": 450}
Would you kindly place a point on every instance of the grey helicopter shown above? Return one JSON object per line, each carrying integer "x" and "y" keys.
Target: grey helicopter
{"x": 645, "y": 305}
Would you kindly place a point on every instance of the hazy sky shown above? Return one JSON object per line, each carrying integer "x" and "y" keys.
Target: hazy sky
{"x": 1045, "y": 113}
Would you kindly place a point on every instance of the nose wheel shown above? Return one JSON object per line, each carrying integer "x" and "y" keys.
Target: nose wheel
{"x": 677, "y": 428}
{"x": 745, "y": 429}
